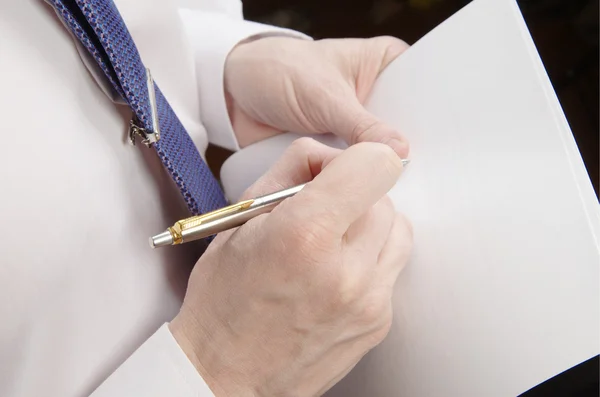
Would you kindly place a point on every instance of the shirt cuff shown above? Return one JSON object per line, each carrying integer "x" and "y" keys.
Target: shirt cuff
{"x": 158, "y": 368}
{"x": 212, "y": 36}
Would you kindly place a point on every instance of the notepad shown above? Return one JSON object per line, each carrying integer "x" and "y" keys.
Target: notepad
{"x": 502, "y": 291}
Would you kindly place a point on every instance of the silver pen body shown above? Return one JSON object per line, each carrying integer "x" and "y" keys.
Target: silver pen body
{"x": 203, "y": 226}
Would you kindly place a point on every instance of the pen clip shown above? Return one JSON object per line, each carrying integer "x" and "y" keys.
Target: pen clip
{"x": 178, "y": 228}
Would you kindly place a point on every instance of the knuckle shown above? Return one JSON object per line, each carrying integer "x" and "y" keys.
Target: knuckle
{"x": 377, "y": 321}
{"x": 403, "y": 222}
{"x": 390, "y": 47}
{"x": 371, "y": 219}
{"x": 372, "y": 310}
{"x": 384, "y": 328}
{"x": 402, "y": 236}
{"x": 363, "y": 127}
{"x": 341, "y": 295}
{"x": 389, "y": 41}
{"x": 349, "y": 290}
{"x": 385, "y": 206}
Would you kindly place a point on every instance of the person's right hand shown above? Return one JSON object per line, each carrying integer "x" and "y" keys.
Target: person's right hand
{"x": 288, "y": 303}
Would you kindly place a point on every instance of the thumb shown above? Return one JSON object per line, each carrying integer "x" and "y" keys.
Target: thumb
{"x": 365, "y": 59}
{"x": 355, "y": 124}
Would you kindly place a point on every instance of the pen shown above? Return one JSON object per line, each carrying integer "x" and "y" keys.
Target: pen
{"x": 211, "y": 223}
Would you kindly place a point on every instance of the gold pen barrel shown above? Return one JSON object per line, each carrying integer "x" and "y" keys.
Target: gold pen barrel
{"x": 218, "y": 225}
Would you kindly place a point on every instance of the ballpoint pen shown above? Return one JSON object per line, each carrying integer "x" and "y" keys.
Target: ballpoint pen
{"x": 202, "y": 226}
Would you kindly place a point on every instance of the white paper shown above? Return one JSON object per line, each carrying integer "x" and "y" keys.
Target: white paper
{"x": 502, "y": 291}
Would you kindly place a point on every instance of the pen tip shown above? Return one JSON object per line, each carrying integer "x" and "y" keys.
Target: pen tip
{"x": 161, "y": 240}
{"x": 405, "y": 162}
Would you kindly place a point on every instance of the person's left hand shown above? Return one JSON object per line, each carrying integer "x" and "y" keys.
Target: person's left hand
{"x": 285, "y": 84}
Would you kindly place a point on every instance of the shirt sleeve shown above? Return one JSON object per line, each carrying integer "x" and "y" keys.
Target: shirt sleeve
{"x": 212, "y": 35}
{"x": 158, "y": 368}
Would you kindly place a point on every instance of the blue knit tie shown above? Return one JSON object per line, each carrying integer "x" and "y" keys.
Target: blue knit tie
{"x": 100, "y": 28}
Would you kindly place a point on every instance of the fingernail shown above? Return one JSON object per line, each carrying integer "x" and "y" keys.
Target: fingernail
{"x": 400, "y": 147}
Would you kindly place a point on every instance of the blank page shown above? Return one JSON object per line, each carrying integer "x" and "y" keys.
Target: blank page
{"x": 502, "y": 291}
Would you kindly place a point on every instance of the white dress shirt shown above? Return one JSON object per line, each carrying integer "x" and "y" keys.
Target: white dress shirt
{"x": 84, "y": 300}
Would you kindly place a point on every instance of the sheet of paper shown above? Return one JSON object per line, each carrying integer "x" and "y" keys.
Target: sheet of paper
{"x": 502, "y": 291}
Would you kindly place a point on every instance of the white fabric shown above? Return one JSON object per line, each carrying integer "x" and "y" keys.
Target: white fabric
{"x": 80, "y": 289}
{"x": 145, "y": 372}
{"x": 210, "y": 59}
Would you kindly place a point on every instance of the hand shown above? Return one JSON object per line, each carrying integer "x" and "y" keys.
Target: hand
{"x": 288, "y": 303}
{"x": 284, "y": 84}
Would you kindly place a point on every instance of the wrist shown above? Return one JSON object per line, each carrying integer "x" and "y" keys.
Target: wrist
{"x": 207, "y": 360}
{"x": 243, "y": 135}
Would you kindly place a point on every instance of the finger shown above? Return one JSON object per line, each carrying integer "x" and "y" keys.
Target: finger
{"x": 300, "y": 163}
{"x": 396, "y": 251}
{"x": 351, "y": 184}
{"x": 353, "y": 123}
{"x": 370, "y": 232}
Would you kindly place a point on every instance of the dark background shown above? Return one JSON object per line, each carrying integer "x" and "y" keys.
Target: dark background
{"x": 565, "y": 33}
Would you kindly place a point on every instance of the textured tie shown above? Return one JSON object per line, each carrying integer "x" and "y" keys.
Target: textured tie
{"x": 99, "y": 27}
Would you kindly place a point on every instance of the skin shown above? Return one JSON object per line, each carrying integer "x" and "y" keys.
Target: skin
{"x": 288, "y": 303}
{"x": 284, "y": 84}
